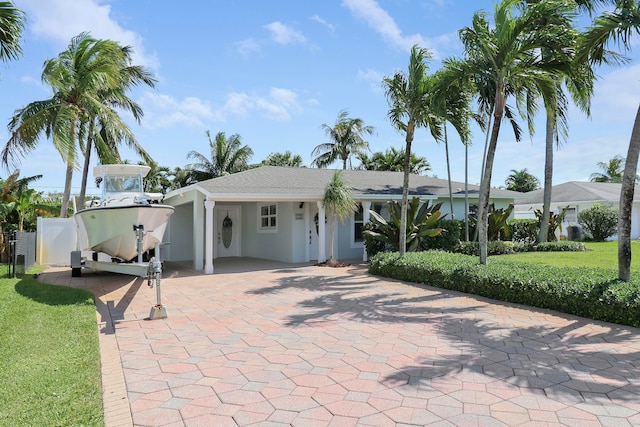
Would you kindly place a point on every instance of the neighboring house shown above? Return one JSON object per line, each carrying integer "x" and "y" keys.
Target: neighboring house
{"x": 276, "y": 213}
{"x": 578, "y": 196}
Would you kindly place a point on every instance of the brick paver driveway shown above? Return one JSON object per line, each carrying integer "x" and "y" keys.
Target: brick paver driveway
{"x": 309, "y": 346}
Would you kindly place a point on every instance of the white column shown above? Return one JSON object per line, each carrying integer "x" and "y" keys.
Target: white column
{"x": 322, "y": 253}
{"x": 365, "y": 219}
{"x": 208, "y": 239}
{"x": 307, "y": 232}
{"x": 198, "y": 231}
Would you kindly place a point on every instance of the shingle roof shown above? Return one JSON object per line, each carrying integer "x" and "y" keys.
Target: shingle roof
{"x": 309, "y": 184}
{"x": 577, "y": 191}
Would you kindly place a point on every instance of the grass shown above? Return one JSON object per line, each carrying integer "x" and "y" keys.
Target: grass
{"x": 598, "y": 255}
{"x": 49, "y": 355}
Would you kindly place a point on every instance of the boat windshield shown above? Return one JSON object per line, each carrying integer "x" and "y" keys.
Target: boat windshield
{"x": 122, "y": 184}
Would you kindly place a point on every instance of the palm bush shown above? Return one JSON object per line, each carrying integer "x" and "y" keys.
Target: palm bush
{"x": 421, "y": 224}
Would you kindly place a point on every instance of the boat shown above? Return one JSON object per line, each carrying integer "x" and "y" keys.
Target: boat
{"x": 126, "y": 222}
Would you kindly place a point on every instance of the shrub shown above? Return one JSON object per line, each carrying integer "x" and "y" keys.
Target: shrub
{"x": 449, "y": 238}
{"x": 372, "y": 246}
{"x": 587, "y": 292}
{"x": 524, "y": 230}
{"x": 599, "y": 221}
{"x": 503, "y": 248}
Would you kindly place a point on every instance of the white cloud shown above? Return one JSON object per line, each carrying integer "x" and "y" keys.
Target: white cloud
{"x": 321, "y": 21}
{"x": 248, "y": 46}
{"x": 279, "y": 105}
{"x": 164, "y": 111}
{"x": 380, "y": 21}
{"x": 373, "y": 77}
{"x": 60, "y": 20}
{"x": 283, "y": 34}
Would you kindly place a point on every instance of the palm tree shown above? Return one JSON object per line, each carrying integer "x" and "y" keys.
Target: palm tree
{"x": 451, "y": 103}
{"x": 392, "y": 160}
{"x": 283, "y": 159}
{"x": 579, "y": 83}
{"x": 228, "y": 156}
{"x": 618, "y": 26}
{"x": 80, "y": 76}
{"x": 522, "y": 181}
{"x": 11, "y": 25}
{"x": 502, "y": 60}
{"x": 346, "y": 140}
{"x": 106, "y": 132}
{"x": 410, "y": 108}
{"x": 612, "y": 171}
{"x": 339, "y": 202}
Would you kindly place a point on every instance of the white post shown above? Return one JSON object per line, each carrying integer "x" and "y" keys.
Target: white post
{"x": 307, "y": 232}
{"x": 322, "y": 255}
{"x": 208, "y": 239}
{"x": 365, "y": 219}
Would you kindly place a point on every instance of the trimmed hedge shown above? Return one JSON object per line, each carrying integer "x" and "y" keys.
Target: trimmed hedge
{"x": 497, "y": 247}
{"x": 448, "y": 239}
{"x": 587, "y": 292}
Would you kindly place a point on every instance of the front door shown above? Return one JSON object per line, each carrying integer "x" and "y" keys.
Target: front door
{"x": 227, "y": 231}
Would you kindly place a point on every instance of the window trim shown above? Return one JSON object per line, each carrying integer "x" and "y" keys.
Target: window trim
{"x": 353, "y": 222}
{"x": 270, "y": 216}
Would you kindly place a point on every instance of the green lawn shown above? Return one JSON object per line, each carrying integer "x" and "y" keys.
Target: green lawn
{"x": 49, "y": 355}
{"x": 598, "y": 255}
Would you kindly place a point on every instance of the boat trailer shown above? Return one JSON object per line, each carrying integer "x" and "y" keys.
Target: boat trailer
{"x": 152, "y": 269}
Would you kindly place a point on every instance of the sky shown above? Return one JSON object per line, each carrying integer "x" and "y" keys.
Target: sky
{"x": 275, "y": 71}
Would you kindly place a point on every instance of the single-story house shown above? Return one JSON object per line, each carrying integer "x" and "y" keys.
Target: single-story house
{"x": 276, "y": 213}
{"x": 578, "y": 196}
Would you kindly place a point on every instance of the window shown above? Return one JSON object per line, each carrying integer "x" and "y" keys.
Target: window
{"x": 570, "y": 215}
{"x": 267, "y": 217}
{"x": 358, "y": 222}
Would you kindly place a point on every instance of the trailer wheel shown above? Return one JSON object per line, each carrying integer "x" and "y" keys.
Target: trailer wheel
{"x": 76, "y": 272}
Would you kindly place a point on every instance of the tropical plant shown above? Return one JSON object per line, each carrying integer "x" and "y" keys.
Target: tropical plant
{"x": 346, "y": 137}
{"x": 80, "y": 77}
{"x": 12, "y": 22}
{"x": 409, "y": 100}
{"x": 283, "y": 159}
{"x": 618, "y": 26}
{"x": 339, "y": 202}
{"x": 601, "y": 222}
{"x": 227, "y": 156}
{"x": 421, "y": 223}
{"x": 497, "y": 221}
{"x": 392, "y": 160}
{"x": 503, "y": 60}
{"x": 521, "y": 181}
{"x": 611, "y": 171}
{"x": 554, "y": 223}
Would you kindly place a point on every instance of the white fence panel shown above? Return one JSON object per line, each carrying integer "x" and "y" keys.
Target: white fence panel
{"x": 57, "y": 237}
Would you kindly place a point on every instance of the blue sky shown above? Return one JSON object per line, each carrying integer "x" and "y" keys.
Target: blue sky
{"x": 275, "y": 71}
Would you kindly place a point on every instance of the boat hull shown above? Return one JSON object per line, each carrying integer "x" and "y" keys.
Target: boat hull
{"x": 110, "y": 229}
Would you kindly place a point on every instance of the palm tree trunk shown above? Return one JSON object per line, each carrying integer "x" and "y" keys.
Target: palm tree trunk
{"x": 548, "y": 179}
{"x": 626, "y": 202}
{"x": 446, "y": 150}
{"x": 484, "y": 161}
{"x": 331, "y": 238}
{"x": 466, "y": 192}
{"x": 485, "y": 188}
{"x": 405, "y": 190}
{"x": 66, "y": 195}
{"x": 85, "y": 167}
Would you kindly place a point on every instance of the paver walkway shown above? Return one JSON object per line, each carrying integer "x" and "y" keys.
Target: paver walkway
{"x": 311, "y": 346}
